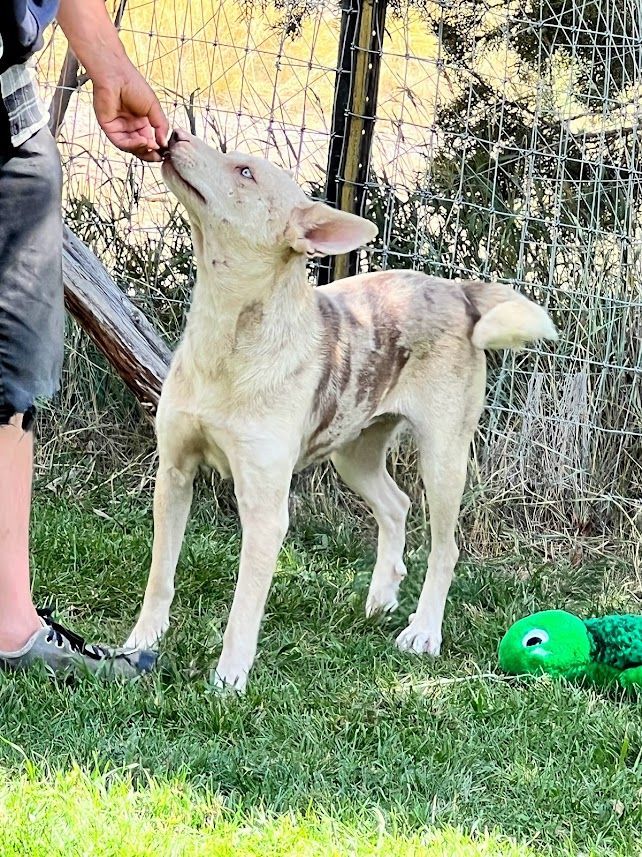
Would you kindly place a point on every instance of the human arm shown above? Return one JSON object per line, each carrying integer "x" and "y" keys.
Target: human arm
{"x": 126, "y": 107}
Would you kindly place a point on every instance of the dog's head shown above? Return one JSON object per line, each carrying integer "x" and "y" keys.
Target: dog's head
{"x": 252, "y": 206}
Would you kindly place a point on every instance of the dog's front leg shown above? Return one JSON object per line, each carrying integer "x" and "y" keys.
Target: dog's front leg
{"x": 172, "y": 500}
{"x": 262, "y": 495}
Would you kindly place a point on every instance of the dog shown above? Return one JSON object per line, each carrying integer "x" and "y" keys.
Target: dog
{"x": 272, "y": 375}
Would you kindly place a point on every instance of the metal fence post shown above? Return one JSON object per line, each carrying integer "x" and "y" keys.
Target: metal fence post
{"x": 353, "y": 116}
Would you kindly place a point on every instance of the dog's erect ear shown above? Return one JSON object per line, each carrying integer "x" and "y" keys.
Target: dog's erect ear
{"x": 318, "y": 230}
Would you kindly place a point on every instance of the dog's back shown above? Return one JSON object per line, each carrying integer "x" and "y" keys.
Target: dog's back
{"x": 390, "y": 336}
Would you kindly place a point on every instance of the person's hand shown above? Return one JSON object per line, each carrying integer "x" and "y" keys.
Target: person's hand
{"x": 129, "y": 113}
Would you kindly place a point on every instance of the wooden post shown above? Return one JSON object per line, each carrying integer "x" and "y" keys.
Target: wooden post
{"x": 68, "y": 83}
{"x": 118, "y": 328}
{"x": 353, "y": 115}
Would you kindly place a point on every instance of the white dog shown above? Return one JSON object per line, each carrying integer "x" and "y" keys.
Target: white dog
{"x": 272, "y": 375}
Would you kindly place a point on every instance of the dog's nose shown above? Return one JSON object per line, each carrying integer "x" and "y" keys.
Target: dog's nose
{"x": 179, "y": 136}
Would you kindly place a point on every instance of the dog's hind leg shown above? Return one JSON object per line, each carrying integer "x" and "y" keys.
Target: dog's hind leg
{"x": 443, "y": 436}
{"x": 362, "y": 466}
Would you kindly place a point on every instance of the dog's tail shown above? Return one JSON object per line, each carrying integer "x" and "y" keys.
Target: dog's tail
{"x": 507, "y": 319}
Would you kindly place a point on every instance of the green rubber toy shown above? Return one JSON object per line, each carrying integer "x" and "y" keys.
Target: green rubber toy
{"x": 604, "y": 651}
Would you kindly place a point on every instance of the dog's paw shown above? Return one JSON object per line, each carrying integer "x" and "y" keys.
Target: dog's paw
{"x": 382, "y": 600}
{"x": 382, "y": 595}
{"x": 420, "y": 639}
{"x": 229, "y": 677}
{"x": 147, "y": 634}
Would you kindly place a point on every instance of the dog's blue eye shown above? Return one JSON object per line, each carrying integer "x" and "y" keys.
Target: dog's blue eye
{"x": 246, "y": 172}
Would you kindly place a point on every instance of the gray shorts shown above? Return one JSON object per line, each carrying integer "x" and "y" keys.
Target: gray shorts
{"x": 31, "y": 290}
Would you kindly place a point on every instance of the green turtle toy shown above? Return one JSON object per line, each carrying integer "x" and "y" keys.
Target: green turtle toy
{"x": 605, "y": 651}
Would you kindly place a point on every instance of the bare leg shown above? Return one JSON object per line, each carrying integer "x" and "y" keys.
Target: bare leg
{"x": 18, "y": 617}
{"x": 362, "y": 466}
{"x": 172, "y": 501}
{"x": 263, "y": 508}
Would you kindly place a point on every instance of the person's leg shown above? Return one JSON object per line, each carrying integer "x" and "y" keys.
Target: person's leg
{"x": 31, "y": 342}
{"x": 31, "y": 348}
{"x": 18, "y": 617}
{"x": 28, "y": 635}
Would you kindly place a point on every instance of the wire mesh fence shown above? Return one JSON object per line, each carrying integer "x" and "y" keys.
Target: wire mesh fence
{"x": 506, "y": 146}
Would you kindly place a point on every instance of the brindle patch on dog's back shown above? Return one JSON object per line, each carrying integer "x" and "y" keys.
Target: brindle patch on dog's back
{"x": 363, "y": 356}
{"x": 383, "y": 362}
{"x": 337, "y": 366}
{"x": 371, "y": 327}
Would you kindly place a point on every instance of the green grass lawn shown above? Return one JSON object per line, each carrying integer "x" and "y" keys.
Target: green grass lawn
{"x": 342, "y": 745}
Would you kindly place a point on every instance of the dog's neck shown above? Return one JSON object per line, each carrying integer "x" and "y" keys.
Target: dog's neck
{"x": 249, "y": 308}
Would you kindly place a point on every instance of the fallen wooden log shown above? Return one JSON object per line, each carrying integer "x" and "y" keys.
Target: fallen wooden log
{"x": 119, "y": 329}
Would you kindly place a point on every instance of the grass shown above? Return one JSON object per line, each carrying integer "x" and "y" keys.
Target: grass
{"x": 342, "y": 745}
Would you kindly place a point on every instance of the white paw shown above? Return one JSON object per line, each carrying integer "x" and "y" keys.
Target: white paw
{"x": 147, "y": 633}
{"x": 419, "y": 638}
{"x": 230, "y": 677}
{"x": 382, "y": 600}
{"x": 382, "y": 597}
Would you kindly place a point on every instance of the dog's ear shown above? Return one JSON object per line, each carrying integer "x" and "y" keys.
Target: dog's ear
{"x": 318, "y": 230}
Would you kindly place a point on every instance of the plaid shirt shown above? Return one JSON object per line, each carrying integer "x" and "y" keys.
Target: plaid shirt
{"x": 19, "y": 93}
